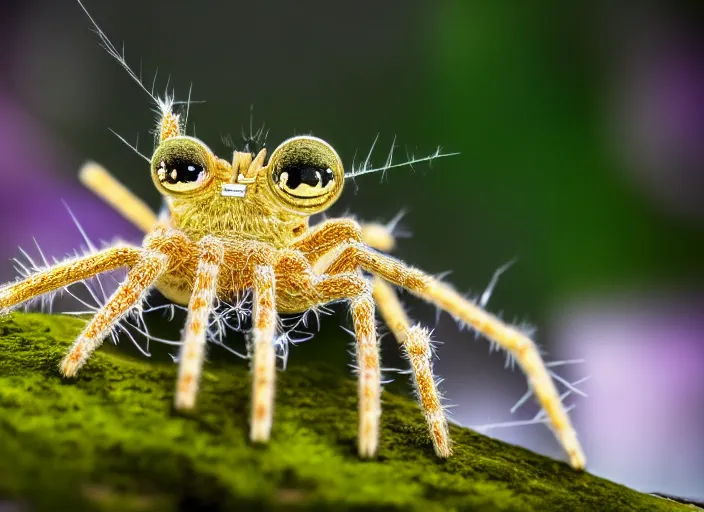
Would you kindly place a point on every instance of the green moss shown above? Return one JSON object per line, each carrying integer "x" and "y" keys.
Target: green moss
{"x": 109, "y": 440}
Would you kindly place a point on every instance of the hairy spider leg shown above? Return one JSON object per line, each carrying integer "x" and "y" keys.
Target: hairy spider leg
{"x": 264, "y": 321}
{"x": 321, "y": 241}
{"x": 415, "y": 341}
{"x": 417, "y": 346}
{"x": 200, "y": 308}
{"x": 131, "y": 291}
{"x": 369, "y": 378}
{"x": 323, "y": 247}
{"x": 356, "y": 289}
{"x": 426, "y": 287}
{"x": 66, "y": 273}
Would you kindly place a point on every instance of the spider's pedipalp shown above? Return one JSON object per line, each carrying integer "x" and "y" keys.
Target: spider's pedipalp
{"x": 264, "y": 353}
{"x": 200, "y": 308}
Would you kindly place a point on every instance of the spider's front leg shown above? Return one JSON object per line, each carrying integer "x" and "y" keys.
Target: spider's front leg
{"x": 200, "y": 308}
{"x": 264, "y": 357}
{"x": 154, "y": 260}
{"x": 213, "y": 254}
{"x": 357, "y": 255}
{"x": 139, "y": 280}
{"x": 369, "y": 378}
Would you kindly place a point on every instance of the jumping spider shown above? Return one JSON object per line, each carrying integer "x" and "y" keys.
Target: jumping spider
{"x": 244, "y": 225}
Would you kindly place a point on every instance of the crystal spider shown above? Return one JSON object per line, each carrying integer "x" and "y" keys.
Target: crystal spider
{"x": 239, "y": 225}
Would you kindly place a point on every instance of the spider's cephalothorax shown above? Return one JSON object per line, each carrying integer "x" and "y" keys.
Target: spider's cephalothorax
{"x": 231, "y": 227}
{"x": 303, "y": 176}
{"x": 244, "y": 201}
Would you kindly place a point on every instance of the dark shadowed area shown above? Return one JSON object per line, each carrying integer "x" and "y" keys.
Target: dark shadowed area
{"x": 581, "y": 132}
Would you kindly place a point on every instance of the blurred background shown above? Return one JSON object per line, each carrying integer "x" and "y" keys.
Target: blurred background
{"x": 581, "y": 132}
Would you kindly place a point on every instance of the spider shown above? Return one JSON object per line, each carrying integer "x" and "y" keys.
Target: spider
{"x": 233, "y": 226}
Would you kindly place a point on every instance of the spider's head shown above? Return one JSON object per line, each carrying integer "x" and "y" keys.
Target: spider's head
{"x": 303, "y": 176}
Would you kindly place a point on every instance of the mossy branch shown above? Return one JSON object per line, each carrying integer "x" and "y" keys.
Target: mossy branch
{"x": 109, "y": 440}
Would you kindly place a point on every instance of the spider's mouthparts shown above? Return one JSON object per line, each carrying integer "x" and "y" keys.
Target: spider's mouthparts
{"x": 233, "y": 190}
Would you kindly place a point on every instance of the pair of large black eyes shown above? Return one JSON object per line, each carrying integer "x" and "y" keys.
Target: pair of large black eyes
{"x": 297, "y": 174}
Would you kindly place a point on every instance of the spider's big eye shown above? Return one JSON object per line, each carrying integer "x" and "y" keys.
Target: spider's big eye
{"x": 305, "y": 174}
{"x": 305, "y": 180}
{"x": 181, "y": 165}
{"x": 178, "y": 173}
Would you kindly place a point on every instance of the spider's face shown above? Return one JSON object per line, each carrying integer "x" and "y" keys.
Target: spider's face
{"x": 303, "y": 176}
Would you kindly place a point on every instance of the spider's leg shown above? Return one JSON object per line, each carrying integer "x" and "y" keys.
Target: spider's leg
{"x": 140, "y": 279}
{"x": 378, "y": 236}
{"x": 66, "y": 273}
{"x": 200, "y": 308}
{"x": 426, "y": 287}
{"x": 324, "y": 238}
{"x": 416, "y": 343}
{"x": 369, "y": 377}
{"x": 322, "y": 247}
{"x": 264, "y": 362}
{"x": 99, "y": 181}
{"x": 357, "y": 290}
